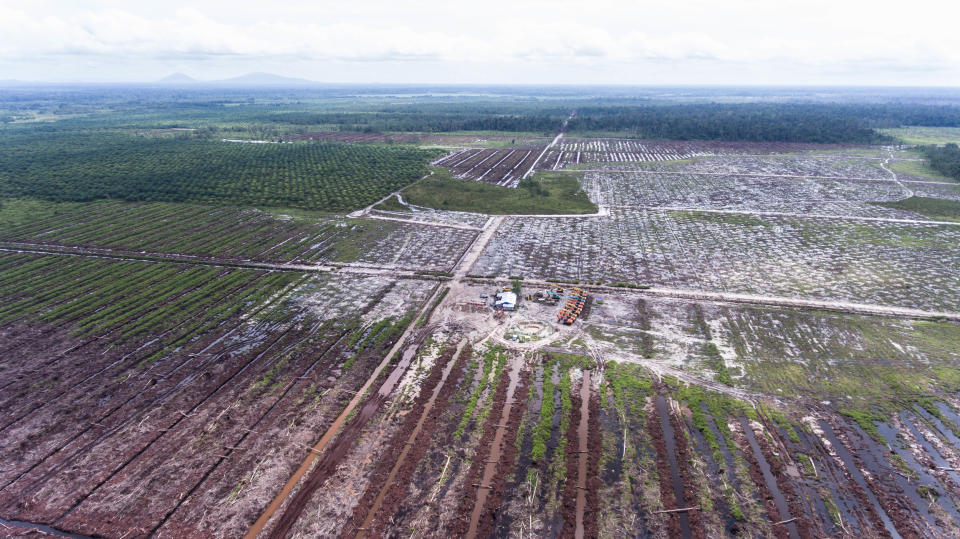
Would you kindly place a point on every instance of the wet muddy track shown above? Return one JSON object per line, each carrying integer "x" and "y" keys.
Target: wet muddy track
{"x": 570, "y": 510}
{"x": 879, "y": 478}
{"x": 676, "y": 486}
{"x": 582, "y": 459}
{"x": 500, "y": 463}
{"x": 334, "y": 448}
{"x": 762, "y": 461}
{"x": 495, "y": 456}
{"x": 388, "y": 483}
{"x": 712, "y": 472}
{"x": 854, "y": 481}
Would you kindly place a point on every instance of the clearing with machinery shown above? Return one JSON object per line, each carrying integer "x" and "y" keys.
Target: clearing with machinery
{"x": 326, "y": 335}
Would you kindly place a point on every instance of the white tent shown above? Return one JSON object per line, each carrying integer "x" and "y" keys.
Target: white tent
{"x": 506, "y": 300}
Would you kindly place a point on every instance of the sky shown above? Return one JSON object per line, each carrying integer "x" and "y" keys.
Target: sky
{"x": 674, "y": 42}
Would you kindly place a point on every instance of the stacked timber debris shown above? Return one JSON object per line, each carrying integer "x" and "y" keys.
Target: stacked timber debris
{"x": 569, "y": 313}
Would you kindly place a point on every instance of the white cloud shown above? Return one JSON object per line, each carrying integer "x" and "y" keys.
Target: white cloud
{"x": 802, "y": 41}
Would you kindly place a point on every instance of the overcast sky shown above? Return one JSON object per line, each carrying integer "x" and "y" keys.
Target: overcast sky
{"x": 487, "y": 41}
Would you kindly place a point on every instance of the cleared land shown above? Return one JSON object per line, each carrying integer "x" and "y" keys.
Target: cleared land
{"x": 500, "y": 167}
{"x": 181, "y": 370}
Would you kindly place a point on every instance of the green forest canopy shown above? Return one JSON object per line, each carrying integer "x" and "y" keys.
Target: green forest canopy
{"x": 327, "y": 177}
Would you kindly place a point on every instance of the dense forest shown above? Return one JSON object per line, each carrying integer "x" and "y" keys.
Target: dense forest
{"x": 424, "y": 121}
{"x": 944, "y": 159}
{"x": 328, "y": 176}
{"x": 763, "y": 122}
{"x": 754, "y": 122}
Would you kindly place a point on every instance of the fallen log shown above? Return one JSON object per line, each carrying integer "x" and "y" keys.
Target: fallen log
{"x": 692, "y": 508}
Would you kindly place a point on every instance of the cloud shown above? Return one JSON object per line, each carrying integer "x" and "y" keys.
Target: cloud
{"x": 807, "y": 36}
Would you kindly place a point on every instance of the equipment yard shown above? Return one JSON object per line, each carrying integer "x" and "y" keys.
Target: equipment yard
{"x": 743, "y": 340}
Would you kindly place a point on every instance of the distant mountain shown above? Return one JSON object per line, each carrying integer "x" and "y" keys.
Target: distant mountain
{"x": 264, "y": 79}
{"x": 177, "y": 78}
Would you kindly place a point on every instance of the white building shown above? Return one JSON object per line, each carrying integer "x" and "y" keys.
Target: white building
{"x": 506, "y": 300}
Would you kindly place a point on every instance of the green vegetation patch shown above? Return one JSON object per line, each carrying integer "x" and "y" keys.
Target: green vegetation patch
{"x": 16, "y": 212}
{"x": 392, "y": 204}
{"x": 720, "y": 218}
{"x": 133, "y": 300}
{"x": 944, "y": 159}
{"x": 91, "y": 166}
{"x": 493, "y": 361}
{"x": 934, "y": 208}
{"x": 917, "y": 168}
{"x": 194, "y": 229}
{"x": 546, "y": 193}
{"x": 924, "y": 135}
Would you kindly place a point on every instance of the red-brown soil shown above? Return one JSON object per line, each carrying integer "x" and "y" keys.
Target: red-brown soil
{"x": 468, "y": 499}
{"x": 402, "y": 438}
{"x": 663, "y": 473}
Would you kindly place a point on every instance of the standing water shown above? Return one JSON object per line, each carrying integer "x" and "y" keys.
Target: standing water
{"x": 667, "y": 428}
{"x": 582, "y": 433}
{"x": 496, "y": 449}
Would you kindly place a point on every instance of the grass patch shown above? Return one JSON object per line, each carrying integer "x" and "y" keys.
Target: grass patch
{"x": 918, "y": 168}
{"x": 720, "y": 218}
{"x": 545, "y": 194}
{"x": 924, "y": 135}
{"x": 15, "y": 212}
{"x": 867, "y": 421}
{"x": 392, "y": 204}
{"x": 494, "y": 359}
{"x": 569, "y": 361}
{"x": 902, "y": 465}
{"x": 934, "y": 208}
{"x": 541, "y": 432}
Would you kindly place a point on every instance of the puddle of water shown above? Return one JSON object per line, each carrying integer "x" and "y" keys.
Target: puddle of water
{"x": 858, "y": 477}
{"x": 667, "y": 427}
{"x": 943, "y": 430}
{"x": 929, "y": 449}
{"x": 534, "y": 399}
{"x": 582, "y": 431}
{"x": 948, "y": 413}
{"x": 496, "y": 449}
{"x": 715, "y": 470}
{"x": 824, "y": 477}
{"x": 769, "y": 479}
{"x": 413, "y": 436}
{"x": 398, "y": 371}
{"x": 889, "y": 434}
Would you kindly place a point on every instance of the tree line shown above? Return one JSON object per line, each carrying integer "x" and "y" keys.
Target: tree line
{"x": 944, "y": 159}
{"x": 837, "y": 123}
